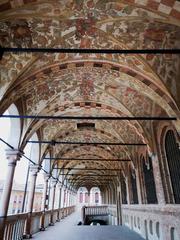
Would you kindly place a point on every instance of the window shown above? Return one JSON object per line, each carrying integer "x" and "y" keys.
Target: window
{"x": 170, "y": 166}
{"x": 173, "y": 162}
{"x": 149, "y": 183}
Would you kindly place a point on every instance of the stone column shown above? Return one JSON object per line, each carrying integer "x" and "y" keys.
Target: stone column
{"x": 53, "y": 192}
{"x": 70, "y": 194}
{"x": 106, "y": 196}
{"x": 128, "y": 190}
{"x": 34, "y": 169}
{"x": 60, "y": 194}
{"x": 12, "y": 156}
{"x": 158, "y": 180}
{"x": 59, "y": 200}
{"x": 138, "y": 186}
{"x": 65, "y": 197}
{"x": 46, "y": 181}
{"x": 110, "y": 196}
{"x": 119, "y": 206}
{"x": 88, "y": 197}
{"x": 44, "y": 201}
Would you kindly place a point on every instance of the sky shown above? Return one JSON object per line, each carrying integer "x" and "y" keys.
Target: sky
{"x": 22, "y": 165}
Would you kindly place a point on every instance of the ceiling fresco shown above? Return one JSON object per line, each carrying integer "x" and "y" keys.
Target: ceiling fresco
{"x": 90, "y": 84}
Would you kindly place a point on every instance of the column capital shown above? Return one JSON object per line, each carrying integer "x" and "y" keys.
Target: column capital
{"x": 34, "y": 169}
{"x": 60, "y": 185}
{"x": 153, "y": 155}
{"x": 54, "y": 182}
{"x": 13, "y": 155}
{"x": 46, "y": 176}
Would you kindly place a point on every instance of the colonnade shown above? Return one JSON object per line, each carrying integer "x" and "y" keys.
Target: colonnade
{"x": 58, "y": 197}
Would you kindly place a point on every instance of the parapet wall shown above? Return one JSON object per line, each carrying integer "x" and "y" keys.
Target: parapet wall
{"x": 153, "y": 222}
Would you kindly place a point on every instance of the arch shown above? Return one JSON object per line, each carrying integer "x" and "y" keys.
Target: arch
{"x": 15, "y": 127}
{"x": 35, "y": 150}
{"x": 170, "y": 164}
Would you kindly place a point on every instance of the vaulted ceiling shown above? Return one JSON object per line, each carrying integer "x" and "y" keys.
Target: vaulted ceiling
{"x": 91, "y": 84}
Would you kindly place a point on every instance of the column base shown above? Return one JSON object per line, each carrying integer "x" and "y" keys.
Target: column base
{"x": 51, "y": 224}
{"x": 42, "y": 229}
{"x": 27, "y": 236}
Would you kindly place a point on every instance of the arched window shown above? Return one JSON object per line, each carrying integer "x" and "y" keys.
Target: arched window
{"x": 134, "y": 198}
{"x": 173, "y": 164}
{"x": 149, "y": 183}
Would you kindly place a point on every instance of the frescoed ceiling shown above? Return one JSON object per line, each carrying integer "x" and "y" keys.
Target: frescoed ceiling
{"x": 91, "y": 84}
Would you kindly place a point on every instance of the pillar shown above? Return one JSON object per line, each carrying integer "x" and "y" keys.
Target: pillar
{"x": 60, "y": 195}
{"x": 128, "y": 189}
{"x": 138, "y": 186}
{"x": 88, "y": 197}
{"x": 119, "y": 205}
{"x": 53, "y": 193}
{"x": 110, "y": 196}
{"x": 12, "y": 157}
{"x": 34, "y": 169}
{"x": 68, "y": 195}
{"x": 44, "y": 201}
{"x": 59, "y": 185}
{"x": 158, "y": 180}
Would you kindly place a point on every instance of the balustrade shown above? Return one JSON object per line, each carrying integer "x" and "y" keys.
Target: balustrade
{"x": 15, "y": 225}
{"x": 153, "y": 221}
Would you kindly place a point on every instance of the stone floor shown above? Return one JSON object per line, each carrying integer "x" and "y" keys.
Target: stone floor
{"x": 67, "y": 229}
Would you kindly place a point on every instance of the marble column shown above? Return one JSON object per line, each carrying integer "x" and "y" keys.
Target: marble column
{"x": 138, "y": 186}
{"x": 59, "y": 185}
{"x": 12, "y": 157}
{"x": 34, "y": 169}
{"x": 119, "y": 205}
{"x": 128, "y": 190}
{"x": 44, "y": 201}
{"x": 53, "y": 194}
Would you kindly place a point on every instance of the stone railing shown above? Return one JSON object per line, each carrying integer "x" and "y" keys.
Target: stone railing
{"x": 96, "y": 210}
{"x": 153, "y": 222}
{"x": 15, "y": 225}
{"x": 104, "y": 210}
{"x": 112, "y": 210}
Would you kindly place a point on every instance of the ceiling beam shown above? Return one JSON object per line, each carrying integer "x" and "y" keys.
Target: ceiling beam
{"x": 87, "y": 143}
{"x": 93, "y": 169}
{"x": 89, "y": 159}
{"x": 158, "y": 118}
{"x": 90, "y": 51}
{"x": 89, "y": 175}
